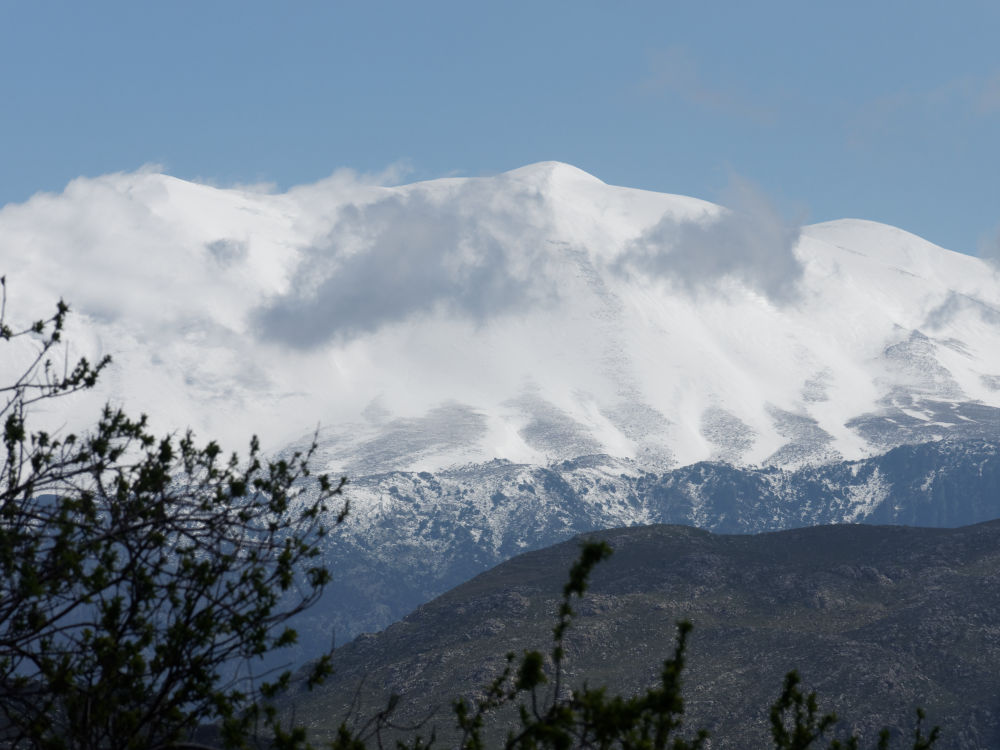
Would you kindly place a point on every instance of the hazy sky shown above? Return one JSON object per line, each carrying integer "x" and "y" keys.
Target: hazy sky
{"x": 880, "y": 110}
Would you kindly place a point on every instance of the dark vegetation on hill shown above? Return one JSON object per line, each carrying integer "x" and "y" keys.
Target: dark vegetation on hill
{"x": 876, "y": 619}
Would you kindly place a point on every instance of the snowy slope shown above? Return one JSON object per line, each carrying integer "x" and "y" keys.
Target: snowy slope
{"x": 535, "y": 316}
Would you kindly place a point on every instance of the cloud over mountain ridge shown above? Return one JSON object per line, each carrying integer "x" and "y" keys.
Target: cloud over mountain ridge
{"x": 533, "y": 316}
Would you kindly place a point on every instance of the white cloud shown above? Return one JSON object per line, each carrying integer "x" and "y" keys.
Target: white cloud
{"x": 989, "y": 247}
{"x": 163, "y": 274}
{"x": 410, "y": 254}
{"x": 749, "y": 242}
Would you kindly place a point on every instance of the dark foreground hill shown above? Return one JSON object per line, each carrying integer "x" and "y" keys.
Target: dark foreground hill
{"x": 877, "y": 619}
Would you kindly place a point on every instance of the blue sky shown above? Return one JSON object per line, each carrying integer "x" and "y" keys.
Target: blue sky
{"x": 880, "y": 110}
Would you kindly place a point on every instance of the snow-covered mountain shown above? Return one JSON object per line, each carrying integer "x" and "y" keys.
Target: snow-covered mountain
{"x": 536, "y": 316}
{"x": 501, "y": 363}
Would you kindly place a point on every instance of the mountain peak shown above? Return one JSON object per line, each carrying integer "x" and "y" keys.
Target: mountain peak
{"x": 556, "y": 172}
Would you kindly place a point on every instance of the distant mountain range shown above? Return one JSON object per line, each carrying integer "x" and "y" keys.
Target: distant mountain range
{"x": 877, "y": 619}
{"x": 413, "y": 536}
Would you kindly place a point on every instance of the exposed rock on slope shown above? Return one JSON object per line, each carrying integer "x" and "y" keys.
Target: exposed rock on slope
{"x": 412, "y": 536}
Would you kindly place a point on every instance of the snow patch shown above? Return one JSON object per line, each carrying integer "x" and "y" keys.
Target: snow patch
{"x": 864, "y": 498}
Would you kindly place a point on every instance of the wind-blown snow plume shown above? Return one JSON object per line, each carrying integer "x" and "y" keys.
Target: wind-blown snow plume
{"x": 989, "y": 247}
{"x": 749, "y": 242}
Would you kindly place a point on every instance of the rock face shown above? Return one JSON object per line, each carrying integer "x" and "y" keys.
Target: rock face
{"x": 877, "y": 619}
{"x": 412, "y": 536}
